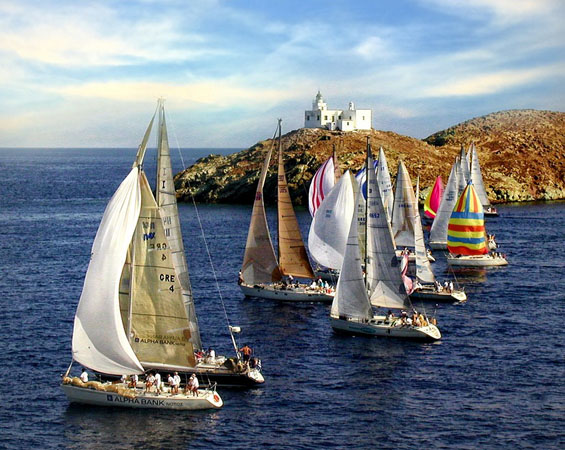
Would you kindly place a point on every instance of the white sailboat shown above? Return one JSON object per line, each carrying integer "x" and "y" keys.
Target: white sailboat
{"x": 352, "y": 307}
{"x": 403, "y": 214}
{"x": 426, "y": 286}
{"x": 477, "y": 179}
{"x": 132, "y": 314}
{"x": 438, "y": 231}
{"x": 262, "y": 272}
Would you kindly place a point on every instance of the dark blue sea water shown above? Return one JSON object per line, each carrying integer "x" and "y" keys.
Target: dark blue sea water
{"x": 495, "y": 380}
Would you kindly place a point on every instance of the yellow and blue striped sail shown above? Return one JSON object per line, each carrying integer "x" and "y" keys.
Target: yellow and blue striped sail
{"x": 466, "y": 229}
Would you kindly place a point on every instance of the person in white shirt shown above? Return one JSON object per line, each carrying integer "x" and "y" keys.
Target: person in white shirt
{"x": 84, "y": 376}
{"x": 133, "y": 381}
{"x": 193, "y": 384}
{"x": 158, "y": 382}
{"x": 176, "y": 383}
{"x": 149, "y": 381}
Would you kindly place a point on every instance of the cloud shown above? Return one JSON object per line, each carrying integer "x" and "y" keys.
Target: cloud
{"x": 490, "y": 83}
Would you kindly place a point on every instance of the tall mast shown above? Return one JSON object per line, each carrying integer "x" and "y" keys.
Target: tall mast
{"x": 366, "y": 210}
{"x": 279, "y": 149}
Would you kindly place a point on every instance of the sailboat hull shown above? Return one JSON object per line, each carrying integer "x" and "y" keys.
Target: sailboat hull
{"x": 489, "y": 260}
{"x": 428, "y": 292}
{"x": 438, "y": 245}
{"x": 206, "y": 399}
{"x": 378, "y": 327}
{"x": 272, "y": 292}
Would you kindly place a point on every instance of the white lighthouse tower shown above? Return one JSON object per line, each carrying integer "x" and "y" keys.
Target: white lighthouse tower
{"x": 334, "y": 119}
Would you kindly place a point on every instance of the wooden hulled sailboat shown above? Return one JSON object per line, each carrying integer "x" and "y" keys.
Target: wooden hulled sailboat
{"x": 466, "y": 236}
{"x": 382, "y": 287}
{"x": 263, "y": 274}
{"x": 132, "y": 314}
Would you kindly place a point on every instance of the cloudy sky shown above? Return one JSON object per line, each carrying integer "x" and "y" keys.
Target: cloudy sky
{"x": 88, "y": 73}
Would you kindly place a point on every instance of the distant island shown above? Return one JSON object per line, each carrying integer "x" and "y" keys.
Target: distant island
{"x": 521, "y": 152}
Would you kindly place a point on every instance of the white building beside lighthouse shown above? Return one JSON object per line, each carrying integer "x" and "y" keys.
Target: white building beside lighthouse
{"x": 335, "y": 119}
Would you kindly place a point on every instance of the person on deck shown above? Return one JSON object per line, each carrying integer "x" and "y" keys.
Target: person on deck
{"x": 84, "y": 376}
{"x": 149, "y": 382}
{"x": 247, "y": 351}
{"x": 158, "y": 382}
{"x": 193, "y": 384}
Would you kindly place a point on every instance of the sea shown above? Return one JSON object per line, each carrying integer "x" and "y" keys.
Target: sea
{"x": 496, "y": 380}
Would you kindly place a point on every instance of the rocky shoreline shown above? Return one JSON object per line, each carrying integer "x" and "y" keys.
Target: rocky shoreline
{"x": 522, "y": 156}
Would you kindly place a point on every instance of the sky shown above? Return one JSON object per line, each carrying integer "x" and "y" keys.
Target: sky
{"x": 88, "y": 73}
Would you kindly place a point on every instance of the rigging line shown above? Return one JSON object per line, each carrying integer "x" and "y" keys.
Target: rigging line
{"x": 206, "y": 245}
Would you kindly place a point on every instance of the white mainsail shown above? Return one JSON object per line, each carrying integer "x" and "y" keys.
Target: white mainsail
{"x": 477, "y": 178}
{"x": 166, "y": 198}
{"x": 330, "y": 227}
{"x": 385, "y": 185}
{"x": 385, "y": 285}
{"x": 402, "y": 223}
{"x": 351, "y": 297}
{"x": 438, "y": 232}
{"x": 99, "y": 340}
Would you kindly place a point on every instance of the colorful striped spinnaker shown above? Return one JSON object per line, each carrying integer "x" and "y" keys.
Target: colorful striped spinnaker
{"x": 466, "y": 230}
{"x": 432, "y": 200}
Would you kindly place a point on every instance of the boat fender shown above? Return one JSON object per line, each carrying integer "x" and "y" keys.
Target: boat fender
{"x": 216, "y": 398}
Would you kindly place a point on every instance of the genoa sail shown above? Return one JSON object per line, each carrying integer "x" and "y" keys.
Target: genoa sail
{"x": 330, "y": 227}
{"x": 433, "y": 199}
{"x": 466, "y": 232}
{"x": 384, "y": 183}
{"x": 403, "y": 211}
{"x": 477, "y": 178}
{"x": 99, "y": 340}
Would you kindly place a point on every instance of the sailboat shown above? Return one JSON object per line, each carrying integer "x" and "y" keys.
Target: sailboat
{"x": 132, "y": 315}
{"x": 466, "y": 238}
{"x": 426, "y": 286}
{"x": 477, "y": 178}
{"x": 265, "y": 275}
{"x": 433, "y": 199}
{"x": 356, "y": 294}
{"x": 438, "y": 232}
{"x": 403, "y": 213}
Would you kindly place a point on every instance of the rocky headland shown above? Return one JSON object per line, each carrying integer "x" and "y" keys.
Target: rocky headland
{"x": 521, "y": 152}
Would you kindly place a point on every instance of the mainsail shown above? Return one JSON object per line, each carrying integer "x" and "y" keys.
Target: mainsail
{"x": 259, "y": 261}
{"x": 165, "y": 196}
{"x": 330, "y": 227}
{"x": 157, "y": 318}
{"x": 433, "y": 199}
{"x": 385, "y": 285}
{"x": 293, "y": 259}
{"x": 466, "y": 233}
{"x": 438, "y": 232}
{"x": 385, "y": 185}
{"x": 403, "y": 210}
{"x": 477, "y": 178}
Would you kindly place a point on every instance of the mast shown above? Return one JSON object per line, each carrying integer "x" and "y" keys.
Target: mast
{"x": 367, "y": 157}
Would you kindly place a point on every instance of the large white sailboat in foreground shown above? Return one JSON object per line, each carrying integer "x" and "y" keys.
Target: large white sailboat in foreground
{"x": 132, "y": 316}
{"x": 265, "y": 275}
{"x": 381, "y": 287}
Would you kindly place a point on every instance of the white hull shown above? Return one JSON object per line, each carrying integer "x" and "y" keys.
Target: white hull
{"x": 428, "y": 292}
{"x": 438, "y": 245}
{"x": 137, "y": 398}
{"x": 272, "y": 292}
{"x": 476, "y": 261}
{"x": 379, "y": 327}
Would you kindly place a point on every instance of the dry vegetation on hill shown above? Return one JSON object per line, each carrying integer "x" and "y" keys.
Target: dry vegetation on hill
{"x": 522, "y": 154}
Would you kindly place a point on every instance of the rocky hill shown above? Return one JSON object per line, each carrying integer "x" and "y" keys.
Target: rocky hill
{"x": 522, "y": 154}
